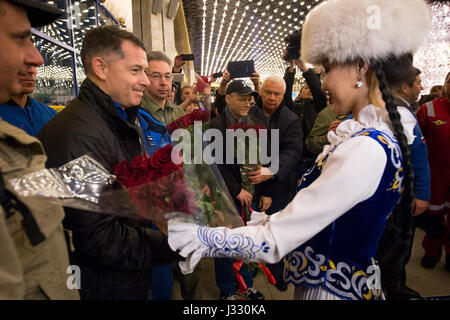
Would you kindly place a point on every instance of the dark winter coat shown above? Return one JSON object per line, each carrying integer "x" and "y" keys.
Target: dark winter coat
{"x": 290, "y": 151}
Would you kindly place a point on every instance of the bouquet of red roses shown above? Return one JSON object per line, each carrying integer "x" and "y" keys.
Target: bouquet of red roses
{"x": 156, "y": 185}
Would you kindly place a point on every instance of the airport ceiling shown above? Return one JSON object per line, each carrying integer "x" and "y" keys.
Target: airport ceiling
{"x": 233, "y": 30}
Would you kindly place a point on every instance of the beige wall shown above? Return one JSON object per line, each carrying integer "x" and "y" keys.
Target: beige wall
{"x": 157, "y": 31}
{"x": 162, "y": 33}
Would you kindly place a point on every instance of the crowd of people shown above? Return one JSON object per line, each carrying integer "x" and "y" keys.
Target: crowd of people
{"x": 362, "y": 162}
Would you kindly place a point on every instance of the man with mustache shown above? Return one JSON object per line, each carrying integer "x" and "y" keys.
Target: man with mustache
{"x": 23, "y": 111}
{"x": 115, "y": 255}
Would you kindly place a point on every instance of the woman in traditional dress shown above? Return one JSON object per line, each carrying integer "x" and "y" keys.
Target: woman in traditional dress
{"x": 329, "y": 233}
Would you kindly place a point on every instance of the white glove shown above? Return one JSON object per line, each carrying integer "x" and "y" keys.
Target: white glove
{"x": 258, "y": 218}
{"x": 195, "y": 242}
{"x": 182, "y": 236}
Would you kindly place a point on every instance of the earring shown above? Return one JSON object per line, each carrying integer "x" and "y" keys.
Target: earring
{"x": 359, "y": 84}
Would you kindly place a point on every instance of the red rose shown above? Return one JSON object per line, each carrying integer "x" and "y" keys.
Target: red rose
{"x": 161, "y": 157}
{"x": 163, "y": 187}
{"x": 183, "y": 200}
{"x": 162, "y": 161}
{"x": 199, "y": 115}
{"x": 188, "y": 120}
{"x": 123, "y": 171}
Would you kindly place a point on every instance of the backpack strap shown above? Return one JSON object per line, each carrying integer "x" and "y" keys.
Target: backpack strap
{"x": 11, "y": 204}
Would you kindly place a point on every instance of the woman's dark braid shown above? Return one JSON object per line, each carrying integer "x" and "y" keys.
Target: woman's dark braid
{"x": 403, "y": 216}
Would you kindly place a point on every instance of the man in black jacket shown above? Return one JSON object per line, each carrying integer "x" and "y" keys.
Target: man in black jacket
{"x": 274, "y": 188}
{"x": 115, "y": 254}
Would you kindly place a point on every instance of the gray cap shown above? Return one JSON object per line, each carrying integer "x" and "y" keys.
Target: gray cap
{"x": 39, "y": 13}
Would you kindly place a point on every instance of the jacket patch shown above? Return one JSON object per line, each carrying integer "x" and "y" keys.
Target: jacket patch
{"x": 439, "y": 122}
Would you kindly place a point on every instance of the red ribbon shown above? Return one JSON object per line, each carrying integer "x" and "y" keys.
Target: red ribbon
{"x": 237, "y": 265}
{"x": 269, "y": 275}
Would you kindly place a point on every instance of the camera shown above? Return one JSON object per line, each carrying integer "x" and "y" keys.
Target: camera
{"x": 293, "y": 46}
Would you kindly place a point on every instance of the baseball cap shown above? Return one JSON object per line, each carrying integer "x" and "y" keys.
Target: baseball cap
{"x": 39, "y": 13}
{"x": 241, "y": 88}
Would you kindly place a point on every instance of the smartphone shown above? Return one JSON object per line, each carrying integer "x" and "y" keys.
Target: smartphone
{"x": 217, "y": 75}
{"x": 177, "y": 77}
{"x": 241, "y": 69}
{"x": 187, "y": 57}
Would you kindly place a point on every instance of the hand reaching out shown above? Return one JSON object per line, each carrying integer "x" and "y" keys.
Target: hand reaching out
{"x": 255, "y": 80}
{"x": 178, "y": 63}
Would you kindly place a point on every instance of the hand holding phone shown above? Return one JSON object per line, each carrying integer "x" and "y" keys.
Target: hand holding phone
{"x": 241, "y": 69}
{"x": 187, "y": 57}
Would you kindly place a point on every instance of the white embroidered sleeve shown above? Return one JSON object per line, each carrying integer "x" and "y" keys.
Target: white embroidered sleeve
{"x": 350, "y": 175}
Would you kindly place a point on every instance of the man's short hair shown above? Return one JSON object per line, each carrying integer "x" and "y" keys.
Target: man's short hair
{"x": 435, "y": 89}
{"x": 275, "y": 79}
{"x": 158, "y": 56}
{"x": 105, "y": 40}
{"x": 401, "y": 73}
{"x": 185, "y": 87}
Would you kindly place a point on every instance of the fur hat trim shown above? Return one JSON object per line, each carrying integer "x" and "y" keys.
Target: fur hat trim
{"x": 344, "y": 30}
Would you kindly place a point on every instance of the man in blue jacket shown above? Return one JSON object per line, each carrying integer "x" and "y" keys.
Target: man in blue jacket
{"x": 23, "y": 111}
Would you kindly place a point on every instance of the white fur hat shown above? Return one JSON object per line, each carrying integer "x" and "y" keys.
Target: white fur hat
{"x": 343, "y": 30}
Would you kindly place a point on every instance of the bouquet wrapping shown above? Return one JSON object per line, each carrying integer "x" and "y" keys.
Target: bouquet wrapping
{"x": 154, "y": 188}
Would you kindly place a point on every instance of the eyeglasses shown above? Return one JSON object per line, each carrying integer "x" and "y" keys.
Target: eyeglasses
{"x": 156, "y": 76}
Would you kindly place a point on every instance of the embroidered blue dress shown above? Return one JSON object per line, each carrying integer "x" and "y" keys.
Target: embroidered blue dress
{"x": 329, "y": 232}
{"x": 340, "y": 257}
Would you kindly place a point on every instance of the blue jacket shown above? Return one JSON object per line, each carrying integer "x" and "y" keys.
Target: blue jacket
{"x": 154, "y": 132}
{"x": 419, "y": 160}
{"x": 31, "y": 119}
